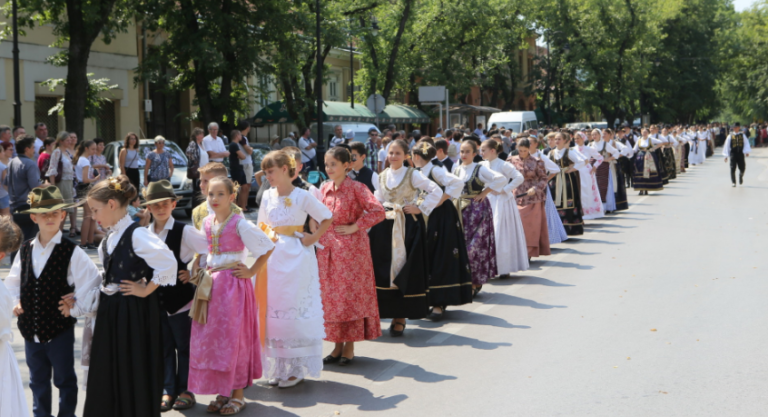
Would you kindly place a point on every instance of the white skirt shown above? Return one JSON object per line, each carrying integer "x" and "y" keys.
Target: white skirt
{"x": 610, "y": 197}
{"x": 591, "y": 203}
{"x": 13, "y": 403}
{"x": 511, "y": 249}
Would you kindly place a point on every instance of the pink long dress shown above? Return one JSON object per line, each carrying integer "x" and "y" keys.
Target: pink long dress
{"x": 225, "y": 352}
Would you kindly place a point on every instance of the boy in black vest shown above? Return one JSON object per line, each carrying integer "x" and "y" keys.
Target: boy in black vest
{"x": 175, "y": 301}
{"x": 46, "y": 271}
{"x": 736, "y": 147}
{"x": 359, "y": 171}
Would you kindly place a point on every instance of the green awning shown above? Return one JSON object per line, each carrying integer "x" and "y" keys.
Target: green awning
{"x": 400, "y": 113}
{"x": 333, "y": 111}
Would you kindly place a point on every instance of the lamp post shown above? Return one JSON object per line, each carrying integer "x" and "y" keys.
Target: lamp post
{"x": 351, "y": 74}
{"x": 16, "y": 85}
{"x": 319, "y": 85}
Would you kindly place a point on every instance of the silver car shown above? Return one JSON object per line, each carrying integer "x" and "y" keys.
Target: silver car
{"x": 182, "y": 185}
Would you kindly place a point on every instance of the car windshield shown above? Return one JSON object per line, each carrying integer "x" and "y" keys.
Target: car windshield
{"x": 514, "y": 126}
{"x": 179, "y": 159}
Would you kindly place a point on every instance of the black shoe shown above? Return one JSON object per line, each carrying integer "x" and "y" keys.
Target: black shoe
{"x": 91, "y": 246}
{"x": 476, "y": 291}
{"x": 345, "y": 361}
{"x": 396, "y": 333}
{"x": 331, "y": 359}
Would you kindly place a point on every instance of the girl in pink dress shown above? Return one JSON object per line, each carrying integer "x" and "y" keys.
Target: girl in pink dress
{"x": 224, "y": 351}
{"x": 347, "y": 283}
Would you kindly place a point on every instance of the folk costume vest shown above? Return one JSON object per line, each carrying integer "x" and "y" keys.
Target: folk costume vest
{"x": 40, "y": 296}
{"x": 174, "y": 297}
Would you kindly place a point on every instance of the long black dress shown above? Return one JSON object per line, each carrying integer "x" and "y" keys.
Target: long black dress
{"x": 450, "y": 279}
{"x": 654, "y": 181}
{"x": 408, "y": 297}
{"x": 125, "y": 377}
{"x": 569, "y": 209}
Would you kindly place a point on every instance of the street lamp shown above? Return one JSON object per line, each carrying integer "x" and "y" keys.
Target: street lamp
{"x": 319, "y": 86}
{"x": 16, "y": 85}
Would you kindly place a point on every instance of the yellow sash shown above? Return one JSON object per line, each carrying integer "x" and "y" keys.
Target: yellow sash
{"x": 261, "y": 276}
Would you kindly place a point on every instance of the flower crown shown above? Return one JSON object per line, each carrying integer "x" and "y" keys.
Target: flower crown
{"x": 292, "y": 162}
{"x": 425, "y": 147}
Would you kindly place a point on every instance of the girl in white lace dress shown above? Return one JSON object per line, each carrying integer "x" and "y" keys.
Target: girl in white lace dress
{"x": 294, "y": 323}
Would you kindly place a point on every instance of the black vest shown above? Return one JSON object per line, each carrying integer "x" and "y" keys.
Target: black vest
{"x": 474, "y": 185}
{"x": 123, "y": 264}
{"x": 365, "y": 175}
{"x": 40, "y": 296}
{"x": 737, "y": 142}
{"x": 173, "y": 298}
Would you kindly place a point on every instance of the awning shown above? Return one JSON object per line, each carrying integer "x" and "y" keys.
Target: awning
{"x": 333, "y": 111}
{"x": 399, "y": 113}
{"x": 468, "y": 108}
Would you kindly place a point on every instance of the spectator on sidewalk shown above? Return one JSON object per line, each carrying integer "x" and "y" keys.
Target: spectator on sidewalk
{"x": 307, "y": 146}
{"x": 41, "y": 132}
{"x": 23, "y": 175}
{"x": 214, "y": 145}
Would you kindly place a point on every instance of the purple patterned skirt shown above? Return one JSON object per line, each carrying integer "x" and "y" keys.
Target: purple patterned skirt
{"x": 481, "y": 241}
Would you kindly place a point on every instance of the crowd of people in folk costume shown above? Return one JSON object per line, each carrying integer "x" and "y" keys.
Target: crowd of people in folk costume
{"x": 398, "y": 231}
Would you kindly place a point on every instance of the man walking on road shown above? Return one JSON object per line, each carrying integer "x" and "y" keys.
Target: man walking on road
{"x": 736, "y": 147}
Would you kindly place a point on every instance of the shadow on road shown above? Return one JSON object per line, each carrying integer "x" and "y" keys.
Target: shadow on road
{"x": 311, "y": 393}
{"x": 511, "y": 300}
{"x": 467, "y": 317}
{"x": 527, "y": 280}
{"x": 419, "y": 337}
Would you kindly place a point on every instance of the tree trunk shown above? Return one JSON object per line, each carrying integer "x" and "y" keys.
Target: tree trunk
{"x": 389, "y": 80}
{"x": 81, "y": 37}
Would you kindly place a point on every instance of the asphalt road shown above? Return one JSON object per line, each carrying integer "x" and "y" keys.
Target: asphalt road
{"x": 655, "y": 311}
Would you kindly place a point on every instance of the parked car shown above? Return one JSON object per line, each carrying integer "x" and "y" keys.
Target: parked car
{"x": 359, "y": 129}
{"x": 182, "y": 185}
{"x": 260, "y": 150}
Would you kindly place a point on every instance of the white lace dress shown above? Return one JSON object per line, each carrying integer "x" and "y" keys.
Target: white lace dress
{"x": 13, "y": 403}
{"x": 295, "y": 326}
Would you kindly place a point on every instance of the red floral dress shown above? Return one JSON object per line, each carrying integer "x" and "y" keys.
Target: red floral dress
{"x": 347, "y": 283}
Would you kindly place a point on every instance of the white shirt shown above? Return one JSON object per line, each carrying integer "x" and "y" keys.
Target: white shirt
{"x": 644, "y": 143}
{"x": 578, "y": 159}
{"x": 552, "y": 168}
{"x": 336, "y": 141}
{"x": 254, "y": 240}
{"x": 590, "y": 153}
{"x": 38, "y": 144}
{"x": 82, "y": 273}
{"x": 81, "y": 163}
{"x": 453, "y": 184}
{"x": 598, "y": 147}
{"x": 211, "y": 144}
{"x": 727, "y": 146}
{"x": 148, "y": 247}
{"x": 511, "y": 174}
{"x": 492, "y": 179}
{"x": 418, "y": 180}
{"x": 382, "y": 154}
{"x": 306, "y": 155}
{"x": 702, "y": 135}
{"x": 457, "y": 145}
{"x": 203, "y": 156}
{"x": 192, "y": 241}
{"x": 624, "y": 150}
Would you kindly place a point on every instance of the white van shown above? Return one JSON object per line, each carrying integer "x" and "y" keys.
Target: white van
{"x": 360, "y": 130}
{"x": 514, "y": 120}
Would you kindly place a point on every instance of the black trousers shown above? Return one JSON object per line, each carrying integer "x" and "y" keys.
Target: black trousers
{"x": 737, "y": 159}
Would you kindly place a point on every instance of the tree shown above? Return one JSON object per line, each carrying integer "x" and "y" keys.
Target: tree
{"x": 211, "y": 46}
{"x": 76, "y": 24}
{"x": 743, "y": 85}
{"x": 93, "y": 95}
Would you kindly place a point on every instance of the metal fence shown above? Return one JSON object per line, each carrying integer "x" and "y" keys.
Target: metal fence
{"x": 106, "y": 122}
{"x": 42, "y": 106}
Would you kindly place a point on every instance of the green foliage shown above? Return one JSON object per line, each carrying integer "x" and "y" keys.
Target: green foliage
{"x": 93, "y": 96}
{"x": 743, "y": 88}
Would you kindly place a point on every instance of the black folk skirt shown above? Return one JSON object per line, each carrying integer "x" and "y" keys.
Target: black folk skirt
{"x": 409, "y": 299}
{"x": 620, "y": 192}
{"x": 669, "y": 161}
{"x": 661, "y": 166}
{"x": 450, "y": 278}
{"x": 125, "y": 378}
{"x": 654, "y": 182}
{"x": 570, "y": 211}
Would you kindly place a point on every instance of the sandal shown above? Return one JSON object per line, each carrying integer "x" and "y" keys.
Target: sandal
{"x": 235, "y": 405}
{"x": 183, "y": 403}
{"x": 165, "y": 405}
{"x": 218, "y": 404}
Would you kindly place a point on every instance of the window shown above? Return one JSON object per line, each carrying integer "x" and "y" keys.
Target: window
{"x": 42, "y": 106}
{"x": 264, "y": 91}
{"x": 333, "y": 88}
{"x": 106, "y": 122}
